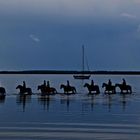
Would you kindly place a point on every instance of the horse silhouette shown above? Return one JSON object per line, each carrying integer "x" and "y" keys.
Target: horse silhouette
{"x": 124, "y": 88}
{"x": 68, "y": 89}
{"x": 92, "y": 88}
{"x": 47, "y": 90}
{"x": 110, "y": 89}
{"x": 2, "y": 92}
{"x": 24, "y": 90}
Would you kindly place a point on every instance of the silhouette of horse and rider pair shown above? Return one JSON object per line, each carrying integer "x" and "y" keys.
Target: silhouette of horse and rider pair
{"x": 46, "y": 89}
{"x": 68, "y": 89}
{"x": 92, "y": 88}
{"x": 24, "y": 90}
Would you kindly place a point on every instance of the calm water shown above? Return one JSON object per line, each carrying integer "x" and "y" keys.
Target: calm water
{"x": 73, "y": 117}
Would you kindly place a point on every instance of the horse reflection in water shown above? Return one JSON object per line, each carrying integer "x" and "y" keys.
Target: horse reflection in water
{"x": 124, "y": 88}
{"x": 109, "y": 89}
{"x": 45, "y": 101}
{"x": 65, "y": 100}
{"x": 23, "y": 100}
{"x": 92, "y": 88}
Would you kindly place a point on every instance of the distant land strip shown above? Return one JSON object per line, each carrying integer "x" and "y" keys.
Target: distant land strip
{"x": 72, "y": 72}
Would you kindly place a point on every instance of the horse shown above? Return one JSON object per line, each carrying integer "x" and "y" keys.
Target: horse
{"x": 68, "y": 89}
{"x": 92, "y": 88}
{"x": 124, "y": 88}
{"x": 24, "y": 90}
{"x": 2, "y": 92}
{"x": 47, "y": 90}
{"x": 110, "y": 89}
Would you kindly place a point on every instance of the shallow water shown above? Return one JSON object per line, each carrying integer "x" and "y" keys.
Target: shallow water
{"x": 79, "y": 116}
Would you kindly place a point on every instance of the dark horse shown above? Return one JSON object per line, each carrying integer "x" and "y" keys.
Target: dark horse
{"x": 92, "y": 88}
{"x": 24, "y": 90}
{"x": 47, "y": 90}
{"x": 109, "y": 89}
{"x": 124, "y": 88}
{"x": 2, "y": 92}
{"x": 68, "y": 89}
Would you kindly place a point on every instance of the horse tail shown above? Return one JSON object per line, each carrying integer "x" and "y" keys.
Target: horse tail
{"x": 75, "y": 90}
{"x": 98, "y": 89}
{"x": 130, "y": 89}
{"x": 30, "y": 91}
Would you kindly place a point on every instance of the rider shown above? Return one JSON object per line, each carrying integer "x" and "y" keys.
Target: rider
{"x": 109, "y": 83}
{"x": 92, "y": 83}
{"x": 48, "y": 84}
{"x": 68, "y": 84}
{"x": 44, "y": 83}
{"x": 24, "y": 84}
{"x": 124, "y": 82}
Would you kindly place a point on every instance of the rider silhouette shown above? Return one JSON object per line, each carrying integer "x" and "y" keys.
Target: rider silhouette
{"x": 48, "y": 84}
{"x": 124, "y": 82}
{"x": 92, "y": 83}
{"x": 68, "y": 84}
{"x": 24, "y": 84}
{"x": 109, "y": 83}
{"x": 44, "y": 83}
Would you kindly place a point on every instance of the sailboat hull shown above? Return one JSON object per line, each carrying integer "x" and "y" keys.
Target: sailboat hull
{"x": 81, "y": 77}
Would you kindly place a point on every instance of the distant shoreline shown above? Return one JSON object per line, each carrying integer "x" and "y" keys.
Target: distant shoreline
{"x": 72, "y": 72}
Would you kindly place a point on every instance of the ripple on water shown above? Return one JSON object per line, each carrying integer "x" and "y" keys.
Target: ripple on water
{"x": 75, "y": 131}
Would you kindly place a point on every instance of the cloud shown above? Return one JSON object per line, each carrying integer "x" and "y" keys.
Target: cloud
{"x": 127, "y": 15}
{"x": 34, "y": 38}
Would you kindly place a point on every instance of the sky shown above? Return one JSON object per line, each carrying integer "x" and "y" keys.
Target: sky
{"x": 49, "y": 34}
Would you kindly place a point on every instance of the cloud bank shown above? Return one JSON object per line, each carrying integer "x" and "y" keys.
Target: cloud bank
{"x": 71, "y": 8}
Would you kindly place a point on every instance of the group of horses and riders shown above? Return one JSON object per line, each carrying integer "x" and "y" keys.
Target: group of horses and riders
{"x": 46, "y": 89}
{"x": 109, "y": 87}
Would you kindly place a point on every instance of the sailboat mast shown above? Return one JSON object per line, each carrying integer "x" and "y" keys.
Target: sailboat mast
{"x": 83, "y": 60}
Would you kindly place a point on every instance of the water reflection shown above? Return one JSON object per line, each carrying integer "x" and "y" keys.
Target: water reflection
{"x": 123, "y": 101}
{"x": 65, "y": 100}
{"x": 2, "y": 99}
{"x": 45, "y": 101}
{"x": 23, "y": 100}
{"x": 88, "y": 102}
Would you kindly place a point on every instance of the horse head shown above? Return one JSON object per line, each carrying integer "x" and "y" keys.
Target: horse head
{"x": 39, "y": 87}
{"x": 104, "y": 85}
{"x": 62, "y": 86}
{"x": 19, "y": 87}
{"x": 86, "y": 85}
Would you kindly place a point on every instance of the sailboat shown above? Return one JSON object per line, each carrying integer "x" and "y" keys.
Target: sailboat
{"x": 82, "y": 76}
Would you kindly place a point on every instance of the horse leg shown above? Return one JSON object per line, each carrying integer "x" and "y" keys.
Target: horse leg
{"x": 98, "y": 91}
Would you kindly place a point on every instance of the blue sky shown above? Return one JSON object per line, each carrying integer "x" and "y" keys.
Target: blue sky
{"x": 48, "y": 34}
